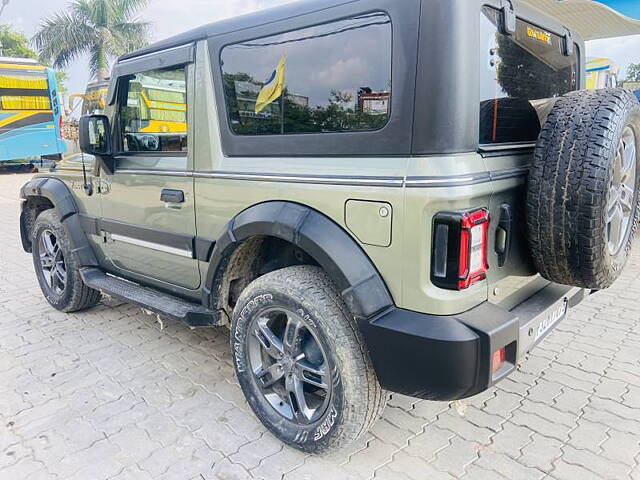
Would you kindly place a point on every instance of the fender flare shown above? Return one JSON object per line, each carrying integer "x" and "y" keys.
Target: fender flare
{"x": 57, "y": 192}
{"x": 357, "y": 279}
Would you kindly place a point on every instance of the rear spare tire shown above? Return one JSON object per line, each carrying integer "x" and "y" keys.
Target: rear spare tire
{"x": 582, "y": 199}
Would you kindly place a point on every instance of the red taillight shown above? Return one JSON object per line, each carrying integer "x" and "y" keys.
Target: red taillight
{"x": 474, "y": 237}
{"x": 459, "y": 249}
{"x": 498, "y": 360}
{"x": 60, "y": 126}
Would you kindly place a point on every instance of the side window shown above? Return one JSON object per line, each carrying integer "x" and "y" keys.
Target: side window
{"x": 154, "y": 117}
{"x": 325, "y": 79}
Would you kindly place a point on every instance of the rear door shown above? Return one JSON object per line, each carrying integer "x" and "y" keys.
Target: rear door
{"x": 148, "y": 214}
{"x": 520, "y": 75}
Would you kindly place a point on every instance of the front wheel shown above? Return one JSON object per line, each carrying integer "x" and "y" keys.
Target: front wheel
{"x": 56, "y": 267}
{"x": 301, "y": 363}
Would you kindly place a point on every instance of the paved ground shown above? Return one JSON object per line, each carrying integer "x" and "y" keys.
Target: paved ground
{"x": 104, "y": 394}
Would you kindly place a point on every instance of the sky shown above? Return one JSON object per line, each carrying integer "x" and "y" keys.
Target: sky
{"x": 170, "y": 17}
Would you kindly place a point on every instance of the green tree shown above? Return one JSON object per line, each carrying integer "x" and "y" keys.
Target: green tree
{"x": 61, "y": 80}
{"x": 633, "y": 73}
{"x": 15, "y": 43}
{"x": 104, "y": 29}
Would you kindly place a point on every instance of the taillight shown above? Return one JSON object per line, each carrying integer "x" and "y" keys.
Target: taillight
{"x": 498, "y": 360}
{"x": 60, "y": 126}
{"x": 459, "y": 256}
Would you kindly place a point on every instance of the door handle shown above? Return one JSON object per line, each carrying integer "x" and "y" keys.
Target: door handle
{"x": 172, "y": 196}
{"x": 504, "y": 234}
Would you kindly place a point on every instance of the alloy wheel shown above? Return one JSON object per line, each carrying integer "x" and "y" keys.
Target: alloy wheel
{"x": 619, "y": 208}
{"x": 289, "y": 365}
{"x": 52, "y": 262}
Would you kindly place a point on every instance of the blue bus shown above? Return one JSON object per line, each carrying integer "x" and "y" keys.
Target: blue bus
{"x": 30, "y": 111}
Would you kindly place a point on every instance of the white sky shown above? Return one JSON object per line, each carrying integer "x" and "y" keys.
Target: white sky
{"x": 171, "y": 17}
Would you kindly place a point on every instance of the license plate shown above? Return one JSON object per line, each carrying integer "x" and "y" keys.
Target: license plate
{"x": 554, "y": 317}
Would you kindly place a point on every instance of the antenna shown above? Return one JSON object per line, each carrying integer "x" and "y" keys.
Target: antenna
{"x": 88, "y": 187}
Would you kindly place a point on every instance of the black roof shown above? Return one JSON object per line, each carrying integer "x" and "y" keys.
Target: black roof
{"x": 242, "y": 22}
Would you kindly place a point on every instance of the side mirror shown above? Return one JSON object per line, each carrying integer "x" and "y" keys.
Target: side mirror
{"x": 95, "y": 139}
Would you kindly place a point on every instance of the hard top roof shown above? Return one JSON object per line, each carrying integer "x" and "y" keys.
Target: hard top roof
{"x": 242, "y": 22}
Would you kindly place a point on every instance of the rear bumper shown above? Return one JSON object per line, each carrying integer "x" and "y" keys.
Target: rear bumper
{"x": 449, "y": 357}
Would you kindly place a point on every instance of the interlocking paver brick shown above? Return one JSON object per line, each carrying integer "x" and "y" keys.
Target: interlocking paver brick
{"x": 389, "y": 433}
{"x": 182, "y": 449}
{"x": 595, "y": 463}
{"x": 508, "y": 467}
{"x": 541, "y": 425}
{"x": 621, "y": 447}
{"x": 588, "y": 435}
{"x": 284, "y": 461}
{"x": 511, "y": 439}
{"x": 251, "y": 454}
{"x": 541, "y": 452}
{"x": 456, "y": 457}
{"x": 568, "y": 471}
{"x": 430, "y": 442}
{"x": 412, "y": 467}
{"x": 312, "y": 467}
{"x": 105, "y": 394}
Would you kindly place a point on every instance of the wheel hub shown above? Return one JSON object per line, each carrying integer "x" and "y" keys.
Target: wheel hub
{"x": 286, "y": 364}
{"x": 289, "y": 365}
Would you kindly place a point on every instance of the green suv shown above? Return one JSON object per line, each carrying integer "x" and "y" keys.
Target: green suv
{"x": 373, "y": 195}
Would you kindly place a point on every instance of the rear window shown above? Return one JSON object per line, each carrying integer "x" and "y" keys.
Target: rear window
{"x": 329, "y": 78}
{"x": 520, "y": 76}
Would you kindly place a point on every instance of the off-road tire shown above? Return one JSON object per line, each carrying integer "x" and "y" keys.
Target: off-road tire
{"x": 569, "y": 188}
{"x": 357, "y": 400}
{"x": 76, "y": 295}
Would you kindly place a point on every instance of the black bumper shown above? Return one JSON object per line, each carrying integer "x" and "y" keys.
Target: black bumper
{"x": 449, "y": 357}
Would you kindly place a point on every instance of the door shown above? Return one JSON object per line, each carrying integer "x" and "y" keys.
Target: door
{"x": 148, "y": 215}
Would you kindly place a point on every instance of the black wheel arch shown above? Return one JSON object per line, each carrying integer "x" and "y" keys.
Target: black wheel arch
{"x": 327, "y": 243}
{"x": 43, "y": 193}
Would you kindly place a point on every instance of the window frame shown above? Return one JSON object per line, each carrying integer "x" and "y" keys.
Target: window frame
{"x": 394, "y": 138}
{"x": 531, "y": 17}
{"x": 123, "y": 100}
{"x": 390, "y": 99}
{"x": 183, "y": 56}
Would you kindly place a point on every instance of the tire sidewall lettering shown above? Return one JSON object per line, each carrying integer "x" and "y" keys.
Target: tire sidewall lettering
{"x": 241, "y": 330}
{"x": 318, "y": 433}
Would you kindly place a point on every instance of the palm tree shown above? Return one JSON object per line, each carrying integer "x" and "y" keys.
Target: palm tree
{"x": 104, "y": 29}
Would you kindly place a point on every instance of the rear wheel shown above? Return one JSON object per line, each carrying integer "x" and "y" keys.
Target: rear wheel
{"x": 56, "y": 267}
{"x": 301, "y": 362}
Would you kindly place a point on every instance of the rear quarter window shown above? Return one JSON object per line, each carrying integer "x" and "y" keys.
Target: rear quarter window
{"x": 329, "y": 78}
{"x": 520, "y": 75}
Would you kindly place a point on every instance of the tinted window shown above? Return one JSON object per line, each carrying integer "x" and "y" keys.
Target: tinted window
{"x": 154, "y": 118}
{"x": 520, "y": 75}
{"x": 330, "y": 78}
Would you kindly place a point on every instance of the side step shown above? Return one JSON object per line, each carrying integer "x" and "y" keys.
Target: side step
{"x": 165, "y": 305}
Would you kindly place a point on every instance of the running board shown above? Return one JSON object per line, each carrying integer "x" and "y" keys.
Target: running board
{"x": 165, "y": 305}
